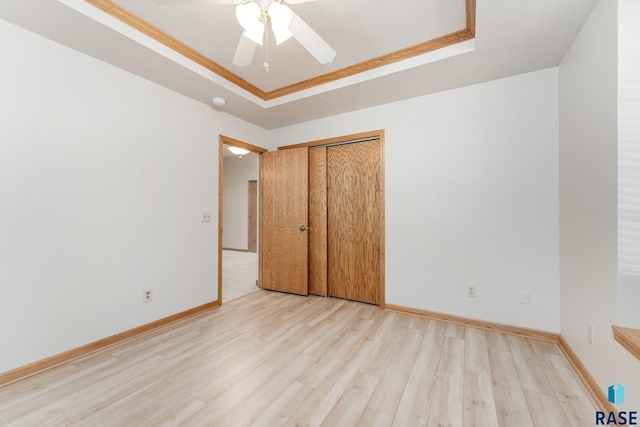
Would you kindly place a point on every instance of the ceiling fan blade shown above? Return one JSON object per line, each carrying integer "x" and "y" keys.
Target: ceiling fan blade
{"x": 310, "y": 40}
{"x": 244, "y": 52}
{"x": 200, "y": 1}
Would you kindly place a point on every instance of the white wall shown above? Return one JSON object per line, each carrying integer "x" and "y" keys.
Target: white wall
{"x": 103, "y": 179}
{"x": 237, "y": 173}
{"x": 628, "y": 163}
{"x": 588, "y": 202}
{"x": 471, "y": 196}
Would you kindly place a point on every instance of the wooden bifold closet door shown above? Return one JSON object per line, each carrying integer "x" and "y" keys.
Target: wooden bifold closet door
{"x": 318, "y": 221}
{"x": 283, "y": 221}
{"x": 344, "y": 215}
{"x": 338, "y": 190}
{"x": 353, "y": 221}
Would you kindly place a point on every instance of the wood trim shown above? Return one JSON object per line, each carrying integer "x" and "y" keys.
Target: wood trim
{"x": 252, "y": 215}
{"x": 372, "y": 134}
{"x": 236, "y": 250}
{"x": 592, "y": 386}
{"x": 471, "y": 17}
{"x": 155, "y": 33}
{"x": 259, "y": 282}
{"x": 240, "y": 144}
{"x": 221, "y": 140}
{"x": 382, "y": 222}
{"x": 85, "y": 350}
{"x": 380, "y": 61}
{"x": 629, "y": 338}
{"x": 480, "y": 324}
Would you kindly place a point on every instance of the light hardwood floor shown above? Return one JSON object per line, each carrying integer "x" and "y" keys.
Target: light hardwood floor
{"x": 272, "y": 359}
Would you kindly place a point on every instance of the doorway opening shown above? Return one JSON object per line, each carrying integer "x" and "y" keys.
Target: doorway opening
{"x": 237, "y": 219}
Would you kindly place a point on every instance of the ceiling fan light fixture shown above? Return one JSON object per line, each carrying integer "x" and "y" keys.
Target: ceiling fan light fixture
{"x": 248, "y": 14}
{"x": 281, "y": 17}
{"x": 255, "y": 33}
{"x": 280, "y": 14}
{"x": 255, "y": 15}
{"x": 282, "y": 34}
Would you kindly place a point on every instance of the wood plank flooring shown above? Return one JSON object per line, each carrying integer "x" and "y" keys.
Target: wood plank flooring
{"x": 272, "y": 359}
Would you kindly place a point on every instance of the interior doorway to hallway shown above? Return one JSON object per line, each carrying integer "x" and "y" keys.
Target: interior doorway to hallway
{"x": 237, "y": 218}
{"x": 239, "y": 274}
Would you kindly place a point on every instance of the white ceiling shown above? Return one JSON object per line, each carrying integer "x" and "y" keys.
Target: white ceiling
{"x": 512, "y": 37}
{"x": 367, "y": 29}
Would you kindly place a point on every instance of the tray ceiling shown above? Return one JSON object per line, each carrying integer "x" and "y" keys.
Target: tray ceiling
{"x": 367, "y": 29}
{"x": 386, "y": 50}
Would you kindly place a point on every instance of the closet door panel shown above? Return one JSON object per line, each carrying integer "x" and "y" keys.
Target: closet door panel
{"x": 354, "y": 224}
{"x": 283, "y": 221}
{"x": 318, "y": 221}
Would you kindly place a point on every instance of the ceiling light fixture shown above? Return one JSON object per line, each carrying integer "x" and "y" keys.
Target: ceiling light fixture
{"x": 281, "y": 18}
{"x": 252, "y": 17}
{"x": 255, "y": 16}
{"x": 247, "y": 14}
{"x": 238, "y": 151}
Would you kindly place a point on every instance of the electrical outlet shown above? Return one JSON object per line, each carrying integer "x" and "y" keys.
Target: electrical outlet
{"x": 525, "y": 297}
{"x": 206, "y": 216}
{"x": 471, "y": 291}
{"x": 147, "y": 295}
{"x": 590, "y": 332}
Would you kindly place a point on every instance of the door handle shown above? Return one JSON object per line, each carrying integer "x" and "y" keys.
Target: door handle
{"x": 303, "y": 228}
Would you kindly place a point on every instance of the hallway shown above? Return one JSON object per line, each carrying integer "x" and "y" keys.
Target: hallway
{"x": 239, "y": 274}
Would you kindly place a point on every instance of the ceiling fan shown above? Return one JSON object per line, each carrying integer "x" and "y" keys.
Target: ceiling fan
{"x": 255, "y": 15}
